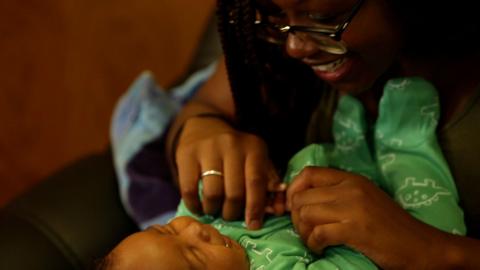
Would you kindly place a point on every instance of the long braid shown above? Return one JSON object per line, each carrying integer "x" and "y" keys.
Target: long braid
{"x": 237, "y": 41}
{"x": 274, "y": 95}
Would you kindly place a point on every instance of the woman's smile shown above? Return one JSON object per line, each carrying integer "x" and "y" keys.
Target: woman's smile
{"x": 334, "y": 71}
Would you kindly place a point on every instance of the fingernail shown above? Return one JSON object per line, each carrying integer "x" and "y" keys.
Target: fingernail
{"x": 281, "y": 187}
{"x": 254, "y": 224}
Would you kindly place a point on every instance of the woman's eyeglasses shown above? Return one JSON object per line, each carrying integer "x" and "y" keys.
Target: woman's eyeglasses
{"x": 327, "y": 37}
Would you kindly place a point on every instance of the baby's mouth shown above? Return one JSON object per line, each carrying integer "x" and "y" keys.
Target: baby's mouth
{"x": 228, "y": 242}
{"x": 330, "y": 66}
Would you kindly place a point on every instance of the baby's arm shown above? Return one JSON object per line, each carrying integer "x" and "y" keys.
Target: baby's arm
{"x": 411, "y": 163}
{"x": 403, "y": 145}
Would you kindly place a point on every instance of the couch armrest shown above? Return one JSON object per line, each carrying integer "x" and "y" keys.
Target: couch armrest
{"x": 67, "y": 221}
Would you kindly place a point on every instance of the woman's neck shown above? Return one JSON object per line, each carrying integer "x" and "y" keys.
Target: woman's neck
{"x": 456, "y": 80}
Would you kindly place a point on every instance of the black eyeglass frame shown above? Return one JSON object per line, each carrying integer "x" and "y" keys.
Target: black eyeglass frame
{"x": 334, "y": 32}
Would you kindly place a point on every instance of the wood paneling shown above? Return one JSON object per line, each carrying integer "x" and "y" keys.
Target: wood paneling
{"x": 64, "y": 63}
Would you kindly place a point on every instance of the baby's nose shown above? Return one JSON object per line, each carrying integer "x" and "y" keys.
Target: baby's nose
{"x": 197, "y": 230}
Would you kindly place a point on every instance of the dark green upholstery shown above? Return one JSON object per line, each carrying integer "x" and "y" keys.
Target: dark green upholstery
{"x": 65, "y": 222}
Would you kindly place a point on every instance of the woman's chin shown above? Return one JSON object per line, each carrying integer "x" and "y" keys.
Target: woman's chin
{"x": 351, "y": 88}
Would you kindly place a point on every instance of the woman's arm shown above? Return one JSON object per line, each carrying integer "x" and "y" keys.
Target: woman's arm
{"x": 462, "y": 252}
{"x": 213, "y": 97}
{"x": 198, "y": 142}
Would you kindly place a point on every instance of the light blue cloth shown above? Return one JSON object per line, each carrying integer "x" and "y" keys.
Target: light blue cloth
{"x": 142, "y": 115}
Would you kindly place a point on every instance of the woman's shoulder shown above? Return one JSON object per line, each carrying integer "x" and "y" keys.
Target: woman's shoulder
{"x": 461, "y": 146}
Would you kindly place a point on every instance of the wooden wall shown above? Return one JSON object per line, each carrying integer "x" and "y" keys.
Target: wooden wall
{"x": 64, "y": 63}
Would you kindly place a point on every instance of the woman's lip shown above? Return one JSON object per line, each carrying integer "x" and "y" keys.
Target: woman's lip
{"x": 316, "y": 63}
{"x": 337, "y": 75}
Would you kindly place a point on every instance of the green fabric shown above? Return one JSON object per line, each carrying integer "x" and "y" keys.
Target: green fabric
{"x": 278, "y": 246}
{"x": 399, "y": 153}
{"x": 413, "y": 170}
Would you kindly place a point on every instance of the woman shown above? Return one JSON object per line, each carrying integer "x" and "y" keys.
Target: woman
{"x": 287, "y": 62}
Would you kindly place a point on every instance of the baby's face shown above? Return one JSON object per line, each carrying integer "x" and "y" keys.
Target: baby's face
{"x": 184, "y": 243}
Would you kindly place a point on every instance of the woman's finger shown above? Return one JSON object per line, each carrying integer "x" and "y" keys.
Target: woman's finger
{"x": 308, "y": 216}
{"x": 256, "y": 180}
{"x": 188, "y": 177}
{"x": 213, "y": 182}
{"x": 279, "y": 203}
{"x": 322, "y": 213}
{"x": 315, "y": 196}
{"x": 234, "y": 203}
{"x": 325, "y": 235}
{"x": 311, "y": 177}
{"x": 276, "y": 192}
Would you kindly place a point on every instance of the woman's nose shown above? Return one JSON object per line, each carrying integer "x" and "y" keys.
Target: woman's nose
{"x": 299, "y": 48}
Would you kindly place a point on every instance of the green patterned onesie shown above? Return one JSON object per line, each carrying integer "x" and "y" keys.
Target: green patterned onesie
{"x": 399, "y": 153}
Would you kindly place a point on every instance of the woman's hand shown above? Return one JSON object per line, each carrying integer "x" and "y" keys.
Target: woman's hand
{"x": 331, "y": 207}
{"x": 208, "y": 143}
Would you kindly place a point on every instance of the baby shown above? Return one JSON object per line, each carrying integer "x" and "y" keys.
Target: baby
{"x": 184, "y": 243}
{"x": 206, "y": 242}
{"x": 404, "y": 159}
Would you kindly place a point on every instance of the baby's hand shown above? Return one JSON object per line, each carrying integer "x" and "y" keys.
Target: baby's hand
{"x": 276, "y": 204}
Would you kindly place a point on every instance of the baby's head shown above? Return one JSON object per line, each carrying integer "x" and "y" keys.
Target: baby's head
{"x": 184, "y": 243}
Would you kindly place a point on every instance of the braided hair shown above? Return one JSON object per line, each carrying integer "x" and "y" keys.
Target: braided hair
{"x": 274, "y": 95}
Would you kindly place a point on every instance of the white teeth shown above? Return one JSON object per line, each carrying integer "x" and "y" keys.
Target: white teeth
{"x": 332, "y": 66}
